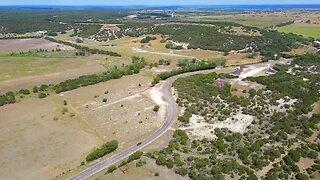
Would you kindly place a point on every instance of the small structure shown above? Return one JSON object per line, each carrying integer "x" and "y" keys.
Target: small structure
{"x": 316, "y": 43}
{"x": 132, "y": 16}
{"x": 221, "y": 82}
{"x": 271, "y": 71}
{"x": 238, "y": 71}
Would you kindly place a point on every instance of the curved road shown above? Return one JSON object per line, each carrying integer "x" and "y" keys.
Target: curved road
{"x": 172, "y": 113}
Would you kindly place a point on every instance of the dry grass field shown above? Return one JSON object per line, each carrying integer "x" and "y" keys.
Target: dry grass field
{"x": 25, "y": 72}
{"x": 119, "y": 118}
{"x": 24, "y": 45}
{"x": 48, "y": 142}
{"x": 36, "y": 145}
{"x": 260, "y": 20}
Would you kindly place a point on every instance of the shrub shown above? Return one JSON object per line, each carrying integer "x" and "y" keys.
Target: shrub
{"x": 35, "y": 89}
{"x": 140, "y": 163}
{"x": 24, "y": 91}
{"x": 42, "y": 95}
{"x": 156, "y": 108}
{"x": 111, "y": 169}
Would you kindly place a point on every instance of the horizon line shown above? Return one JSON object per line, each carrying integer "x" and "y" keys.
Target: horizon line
{"x": 157, "y": 5}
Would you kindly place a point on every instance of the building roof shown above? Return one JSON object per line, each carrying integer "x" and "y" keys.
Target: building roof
{"x": 271, "y": 71}
{"x": 221, "y": 82}
{"x": 238, "y": 70}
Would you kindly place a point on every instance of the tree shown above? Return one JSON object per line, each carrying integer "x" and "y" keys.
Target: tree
{"x": 244, "y": 153}
{"x": 301, "y": 176}
{"x": 295, "y": 155}
{"x": 135, "y": 156}
{"x": 106, "y": 148}
{"x": 161, "y": 160}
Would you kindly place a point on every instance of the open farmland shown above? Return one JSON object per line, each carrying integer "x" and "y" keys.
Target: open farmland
{"x": 26, "y": 72}
{"x": 305, "y": 24}
{"x": 24, "y": 45}
{"x": 255, "y": 20}
{"x": 307, "y": 31}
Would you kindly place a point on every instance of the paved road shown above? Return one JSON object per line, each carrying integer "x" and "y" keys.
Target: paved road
{"x": 172, "y": 113}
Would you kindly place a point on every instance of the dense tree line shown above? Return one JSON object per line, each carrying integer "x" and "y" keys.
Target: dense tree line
{"x": 106, "y": 148}
{"x": 284, "y": 24}
{"x": 54, "y": 20}
{"x": 20, "y": 37}
{"x": 84, "y": 48}
{"x": 7, "y": 98}
{"x": 188, "y": 68}
{"x": 208, "y": 38}
{"x": 113, "y": 73}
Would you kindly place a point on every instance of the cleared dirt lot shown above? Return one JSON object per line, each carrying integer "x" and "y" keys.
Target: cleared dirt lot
{"x": 23, "y": 45}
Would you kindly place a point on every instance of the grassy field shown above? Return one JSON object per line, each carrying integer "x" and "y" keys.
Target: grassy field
{"x": 25, "y": 72}
{"x": 17, "y": 67}
{"x": 305, "y": 31}
{"x": 38, "y": 142}
{"x": 255, "y": 20}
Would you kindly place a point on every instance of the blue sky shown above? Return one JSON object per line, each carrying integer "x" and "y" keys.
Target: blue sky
{"x": 152, "y": 2}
